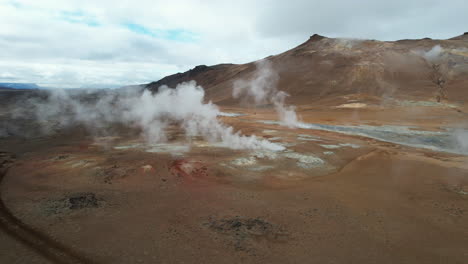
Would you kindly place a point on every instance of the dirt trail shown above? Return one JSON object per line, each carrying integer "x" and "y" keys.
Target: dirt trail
{"x": 27, "y": 235}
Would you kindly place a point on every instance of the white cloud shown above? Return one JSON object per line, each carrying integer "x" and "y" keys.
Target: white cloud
{"x": 65, "y": 74}
{"x": 76, "y": 43}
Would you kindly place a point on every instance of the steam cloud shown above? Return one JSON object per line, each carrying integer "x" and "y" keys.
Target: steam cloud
{"x": 262, "y": 88}
{"x": 434, "y": 54}
{"x": 151, "y": 113}
{"x": 461, "y": 138}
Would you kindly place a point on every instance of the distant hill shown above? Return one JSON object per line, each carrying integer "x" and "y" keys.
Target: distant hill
{"x": 20, "y": 85}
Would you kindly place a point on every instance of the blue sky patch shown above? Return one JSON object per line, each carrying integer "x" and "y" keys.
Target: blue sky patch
{"x": 78, "y": 17}
{"x": 15, "y": 4}
{"x": 139, "y": 29}
{"x": 171, "y": 34}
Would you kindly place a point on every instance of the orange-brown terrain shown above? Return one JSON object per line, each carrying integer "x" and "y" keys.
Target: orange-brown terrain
{"x": 374, "y": 171}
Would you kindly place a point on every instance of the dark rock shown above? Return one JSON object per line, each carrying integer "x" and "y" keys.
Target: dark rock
{"x": 198, "y": 69}
{"x": 246, "y": 231}
{"x": 72, "y": 202}
{"x": 173, "y": 80}
{"x": 83, "y": 200}
{"x": 316, "y": 37}
{"x": 111, "y": 174}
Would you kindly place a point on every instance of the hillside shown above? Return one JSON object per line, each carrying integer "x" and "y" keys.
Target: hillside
{"x": 323, "y": 69}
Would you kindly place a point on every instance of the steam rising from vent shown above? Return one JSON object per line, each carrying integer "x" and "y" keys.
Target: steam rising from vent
{"x": 461, "y": 137}
{"x": 152, "y": 113}
{"x": 434, "y": 54}
{"x": 262, "y": 88}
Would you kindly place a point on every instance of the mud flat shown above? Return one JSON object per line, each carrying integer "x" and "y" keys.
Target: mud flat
{"x": 444, "y": 140}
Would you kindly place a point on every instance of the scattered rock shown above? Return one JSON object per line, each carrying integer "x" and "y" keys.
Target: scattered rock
{"x": 112, "y": 173}
{"x": 74, "y": 201}
{"x": 246, "y": 231}
{"x": 83, "y": 200}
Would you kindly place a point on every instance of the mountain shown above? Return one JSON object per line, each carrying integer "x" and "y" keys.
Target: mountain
{"x": 328, "y": 70}
{"x": 19, "y": 85}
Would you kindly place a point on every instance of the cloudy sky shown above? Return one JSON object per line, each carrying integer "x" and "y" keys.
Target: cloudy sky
{"x": 81, "y": 43}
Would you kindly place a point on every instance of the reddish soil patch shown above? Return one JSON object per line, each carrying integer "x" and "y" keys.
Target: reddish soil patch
{"x": 188, "y": 169}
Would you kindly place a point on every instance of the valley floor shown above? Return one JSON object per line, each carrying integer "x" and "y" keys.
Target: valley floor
{"x": 329, "y": 197}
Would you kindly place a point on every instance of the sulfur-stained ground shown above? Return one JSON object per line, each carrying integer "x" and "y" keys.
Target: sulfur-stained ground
{"x": 328, "y": 197}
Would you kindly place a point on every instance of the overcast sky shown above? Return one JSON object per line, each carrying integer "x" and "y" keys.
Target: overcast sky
{"x": 80, "y": 43}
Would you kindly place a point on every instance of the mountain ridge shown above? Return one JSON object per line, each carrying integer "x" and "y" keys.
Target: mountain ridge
{"x": 323, "y": 68}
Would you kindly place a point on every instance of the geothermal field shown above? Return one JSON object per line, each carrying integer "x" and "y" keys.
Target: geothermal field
{"x": 336, "y": 151}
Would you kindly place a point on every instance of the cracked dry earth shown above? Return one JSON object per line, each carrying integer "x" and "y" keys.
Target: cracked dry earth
{"x": 327, "y": 198}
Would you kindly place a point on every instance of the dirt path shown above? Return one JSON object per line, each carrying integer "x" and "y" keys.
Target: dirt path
{"x": 27, "y": 235}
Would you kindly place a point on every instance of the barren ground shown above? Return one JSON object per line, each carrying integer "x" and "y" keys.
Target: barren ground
{"x": 328, "y": 198}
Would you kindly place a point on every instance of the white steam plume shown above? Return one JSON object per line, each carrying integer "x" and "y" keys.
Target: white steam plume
{"x": 262, "y": 88}
{"x": 434, "y": 54}
{"x": 151, "y": 113}
{"x": 461, "y": 139}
